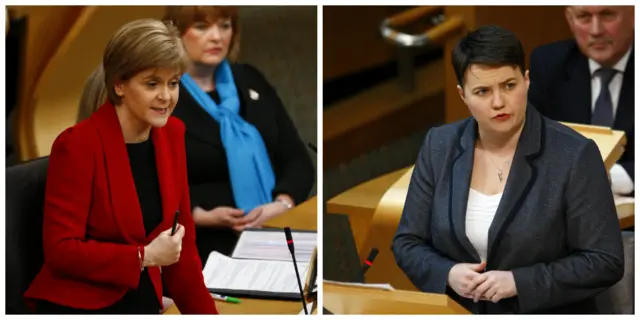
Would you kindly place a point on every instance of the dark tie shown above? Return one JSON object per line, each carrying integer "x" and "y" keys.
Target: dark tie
{"x": 603, "y": 112}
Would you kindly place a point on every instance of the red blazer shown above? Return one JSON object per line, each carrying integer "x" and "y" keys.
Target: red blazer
{"x": 93, "y": 222}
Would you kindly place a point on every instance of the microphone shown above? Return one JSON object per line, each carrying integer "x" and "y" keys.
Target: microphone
{"x": 287, "y": 234}
{"x": 367, "y": 263}
{"x": 312, "y": 147}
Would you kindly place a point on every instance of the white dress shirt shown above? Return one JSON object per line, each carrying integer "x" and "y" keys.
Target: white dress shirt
{"x": 621, "y": 182}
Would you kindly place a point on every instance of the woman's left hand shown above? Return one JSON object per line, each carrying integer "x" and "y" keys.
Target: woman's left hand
{"x": 258, "y": 216}
{"x": 494, "y": 286}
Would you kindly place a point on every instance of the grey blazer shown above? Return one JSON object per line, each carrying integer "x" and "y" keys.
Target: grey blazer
{"x": 556, "y": 226}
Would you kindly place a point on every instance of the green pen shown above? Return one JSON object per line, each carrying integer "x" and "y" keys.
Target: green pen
{"x": 225, "y": 298}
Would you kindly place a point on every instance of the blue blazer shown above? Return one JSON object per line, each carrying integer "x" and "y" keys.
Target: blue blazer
{"x": 556, "y": 227}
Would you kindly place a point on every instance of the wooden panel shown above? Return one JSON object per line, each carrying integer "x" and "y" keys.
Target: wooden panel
{"x": 383, "y": 228}
{"x": 56, "y": 98}
{"x": 455, "y": 109}
{"x": 360, "y": 202}
{"x": 611, "y": 143}
{"x": 47, "y": 26}
{"x": 534, "y": 25}
{"x": 301, "y": 217}
{"x": 341, "y": 299}
{"x": 625, "y": 207}
{"x": 352, "y": 40}
{"x": 251, "y": 306}
{"x": 381, "y": 115}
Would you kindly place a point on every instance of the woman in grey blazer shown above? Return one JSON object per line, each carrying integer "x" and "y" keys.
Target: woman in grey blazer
{"x": 508, "y": 211}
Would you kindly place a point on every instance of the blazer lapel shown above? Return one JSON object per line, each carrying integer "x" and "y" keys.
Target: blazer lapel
{"x": 198, "y": 122}
{"x": 122, "y": 190}
{"x": 460, "y": 183}
{"x": 169, "y": 189}
{"x": 575, "y": 91}
{"x": 625, "y": 111}
{"x": 248, "y": 95}
{"x": 521, "y": 177}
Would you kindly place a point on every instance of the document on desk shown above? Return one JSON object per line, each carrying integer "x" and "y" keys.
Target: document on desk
{"x": 257, "y": 278}
{"x": 383, "y": 286}
{"x": 271, "y": 244}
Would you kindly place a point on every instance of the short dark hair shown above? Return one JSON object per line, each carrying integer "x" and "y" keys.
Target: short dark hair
{"x": 487, "y": 45}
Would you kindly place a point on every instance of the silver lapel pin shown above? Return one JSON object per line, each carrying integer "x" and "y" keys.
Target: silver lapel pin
{"x": 253, "y": 94}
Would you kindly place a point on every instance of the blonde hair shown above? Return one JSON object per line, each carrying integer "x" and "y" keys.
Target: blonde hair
{"x": 94, "y": 94}
{"x": 137, "y": 46}
{"x": 183, "y": 17}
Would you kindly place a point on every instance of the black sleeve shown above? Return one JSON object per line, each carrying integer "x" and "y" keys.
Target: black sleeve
{"x": 537, "y": 92}
{"x": 293, "y": 168}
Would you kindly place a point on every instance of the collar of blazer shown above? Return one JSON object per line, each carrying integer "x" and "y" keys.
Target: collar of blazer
{"x": 121, "y": 187}
{"x": 521, "y": 177}
{"x": 199, "y": 123}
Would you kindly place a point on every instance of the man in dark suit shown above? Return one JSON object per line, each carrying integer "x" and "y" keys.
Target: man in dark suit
{"x": 590, "y": 79}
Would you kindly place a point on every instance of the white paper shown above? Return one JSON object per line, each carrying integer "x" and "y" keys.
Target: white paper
{"x": 268, "y": 245}
{"x": 309, "y": 306}
{"x": 383, "y": 286}
{"x": 222, "y": 272}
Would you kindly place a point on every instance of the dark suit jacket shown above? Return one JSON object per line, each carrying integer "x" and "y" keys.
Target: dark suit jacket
{"x": 93, "y": 222}
{"x": 553, "y": 229}
{"x": 206, "y": 160}
{"x": 561, "y": 90}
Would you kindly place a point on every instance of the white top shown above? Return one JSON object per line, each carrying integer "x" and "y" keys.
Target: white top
{"x": 481, "y": 209}
{"x": 621, "y": 182}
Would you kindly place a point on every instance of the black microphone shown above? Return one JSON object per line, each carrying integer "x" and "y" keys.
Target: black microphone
{"x": 367, "y": 263}
{"x": 312, "y": 147}
{"x": 287, "y": 234}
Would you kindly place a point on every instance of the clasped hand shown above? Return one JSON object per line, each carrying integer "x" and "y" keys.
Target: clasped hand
{"x": 469, "y": 281}
{"x": 235, "y": 218}
{"x": 258, "y": 216}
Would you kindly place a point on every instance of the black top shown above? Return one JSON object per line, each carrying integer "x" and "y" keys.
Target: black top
{"x": 143, "y": 300}
{"x": 208, "y": 172}
{"x": 142, "y": 159}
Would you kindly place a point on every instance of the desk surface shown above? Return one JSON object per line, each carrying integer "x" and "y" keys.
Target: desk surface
{"x": 341, "y": 299}
{"x": 252, "y": 306}
{"x": 302, "y": 217}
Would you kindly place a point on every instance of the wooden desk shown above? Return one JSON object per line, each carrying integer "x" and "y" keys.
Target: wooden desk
{"x": 341, "y": 299}
{"x": 302, "y": 217}
{"x": 252, "y": 306}
{"x": 360, "y": 202}
{"x": 626, "y": 212}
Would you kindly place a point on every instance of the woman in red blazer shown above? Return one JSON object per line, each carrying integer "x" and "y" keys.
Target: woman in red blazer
{"x": 114, "y": 183}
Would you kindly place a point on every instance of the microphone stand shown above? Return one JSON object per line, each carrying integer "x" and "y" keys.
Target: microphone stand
{"x": 287, "y": 233}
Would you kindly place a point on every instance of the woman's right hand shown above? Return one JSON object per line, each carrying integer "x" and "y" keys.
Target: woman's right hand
{"x": 461, "y": 276}
{"x": 165, "y": 249}
{"x": 218, "y": 217}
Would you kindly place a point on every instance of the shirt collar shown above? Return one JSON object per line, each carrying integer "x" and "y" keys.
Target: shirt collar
{"x": 620, "y": 66}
